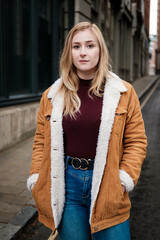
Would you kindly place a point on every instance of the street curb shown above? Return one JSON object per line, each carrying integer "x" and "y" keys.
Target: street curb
{"x": 148, "y": 87}
{"x": 14, "y": 228}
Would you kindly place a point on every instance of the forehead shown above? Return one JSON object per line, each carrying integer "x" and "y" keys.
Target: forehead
{"x": 84, "y": 36}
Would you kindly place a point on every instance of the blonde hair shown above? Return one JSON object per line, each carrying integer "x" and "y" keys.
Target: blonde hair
{"x": 70, "y": 82}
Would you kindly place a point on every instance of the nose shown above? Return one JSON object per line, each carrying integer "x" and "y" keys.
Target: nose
{"x": 83, "y": 51}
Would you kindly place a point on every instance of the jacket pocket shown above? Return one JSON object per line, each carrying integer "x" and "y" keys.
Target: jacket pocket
{"x": 44, "y": 196}
{"x": 121, "y": 194}
{"x": 120, "y": 116}
{"x": 115, "y": 196}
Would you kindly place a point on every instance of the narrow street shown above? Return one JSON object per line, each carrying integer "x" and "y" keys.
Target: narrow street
{"x": 145, "y": 212}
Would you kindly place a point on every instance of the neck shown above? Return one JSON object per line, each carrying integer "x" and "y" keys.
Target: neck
{"x": 86, "y": 76}
{"x": 85, "y": 82}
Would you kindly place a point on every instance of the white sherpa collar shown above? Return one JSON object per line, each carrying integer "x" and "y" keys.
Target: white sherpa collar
{"x": 54, "y": 88}
{"x": 116, "y": 82}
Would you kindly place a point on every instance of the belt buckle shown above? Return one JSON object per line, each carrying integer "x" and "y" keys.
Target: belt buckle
{"x": 86, "y": 165}
{"x": 72, "y": 163}
{"x": 80, "y": 163}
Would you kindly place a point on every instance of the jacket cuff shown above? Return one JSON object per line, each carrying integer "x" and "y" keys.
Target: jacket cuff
{"x": 31, "y": 181}
{"x": 126, "y": 180}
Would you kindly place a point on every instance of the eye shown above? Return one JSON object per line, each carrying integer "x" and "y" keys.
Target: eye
{"x": 75, "y": 46}
{"x": 90, "y": 46}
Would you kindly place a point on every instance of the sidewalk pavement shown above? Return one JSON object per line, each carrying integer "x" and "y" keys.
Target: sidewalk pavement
{"x": 17, "y": 207}
{"x": 144, "y": 84}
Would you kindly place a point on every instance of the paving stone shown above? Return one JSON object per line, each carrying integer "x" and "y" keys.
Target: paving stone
{"x": 8, "y": 182}
{"x": 11, "y": 190}
{"x": 26, "y": 194}
{"x": 24, "y": 216}
{"x": 9, "y": 208}
{"x": 14, "y": 199}
{"x": 6, "y": 217}
{"x": 8, "y": 231}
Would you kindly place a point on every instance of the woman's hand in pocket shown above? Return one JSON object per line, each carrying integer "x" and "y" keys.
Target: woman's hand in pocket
{"x": 123, "y": 188}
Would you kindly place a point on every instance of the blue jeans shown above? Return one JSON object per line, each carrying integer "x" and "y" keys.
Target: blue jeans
{"x": 75, "y": 220}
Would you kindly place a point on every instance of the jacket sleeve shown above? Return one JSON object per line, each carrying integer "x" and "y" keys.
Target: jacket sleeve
{"x": 38, "y": 146}
{"x": 135, "y": 143}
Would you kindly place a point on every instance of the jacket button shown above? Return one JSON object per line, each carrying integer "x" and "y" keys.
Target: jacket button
{"x": 96, "y": 228}
{"x": 48, "y": 117}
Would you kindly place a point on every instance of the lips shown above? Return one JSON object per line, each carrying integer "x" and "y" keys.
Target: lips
{"x": 84, "y": 61}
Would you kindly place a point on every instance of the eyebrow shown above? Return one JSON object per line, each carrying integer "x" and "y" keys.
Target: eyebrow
{"x": 85, "y": 42}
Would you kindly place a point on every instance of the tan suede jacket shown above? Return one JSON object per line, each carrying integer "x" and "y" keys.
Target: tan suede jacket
{"x": 121, "y": 149}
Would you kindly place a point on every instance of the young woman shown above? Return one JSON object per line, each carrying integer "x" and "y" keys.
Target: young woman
{"x": 89, "y": 144}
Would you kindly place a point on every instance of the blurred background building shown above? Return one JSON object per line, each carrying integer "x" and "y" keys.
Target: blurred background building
{"x": 157, "y": 60}
{"x": 152, "y": 54}
{"x": 153, "y": 36}
{"x": 32, "y": 34}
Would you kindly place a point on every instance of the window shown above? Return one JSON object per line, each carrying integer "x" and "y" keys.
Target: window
{"x": 17, "y": 46}
{"x": 31, "y": 39}
{"x": 44, "y": 44}
{"x": 1, "y": 74}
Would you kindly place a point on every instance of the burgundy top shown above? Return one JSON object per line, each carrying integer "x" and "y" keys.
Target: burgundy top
{"x": 81, "y": 134}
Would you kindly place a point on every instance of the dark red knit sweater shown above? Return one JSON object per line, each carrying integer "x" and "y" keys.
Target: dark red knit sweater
{"x": 80, "y": 135}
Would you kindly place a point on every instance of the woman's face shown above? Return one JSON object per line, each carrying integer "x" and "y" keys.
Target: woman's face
{"x": 85, "y": 53}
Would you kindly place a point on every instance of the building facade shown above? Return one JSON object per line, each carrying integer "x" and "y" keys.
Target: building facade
{"x": 158, "y": 39}
{"x": 152, "y": 54}
{"x": 32, "y": 35}
{"x": 140, "y": 38}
